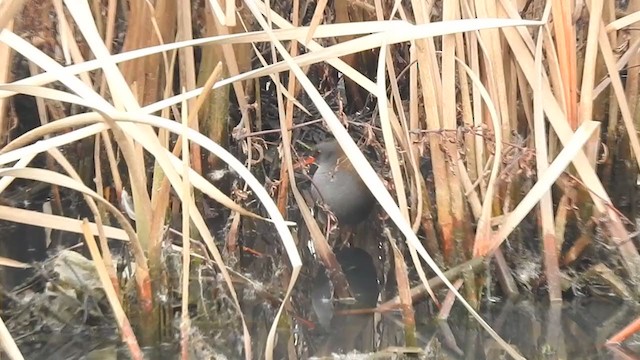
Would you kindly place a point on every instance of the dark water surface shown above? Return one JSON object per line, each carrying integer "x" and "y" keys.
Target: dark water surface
{"x": 573, "y": 330}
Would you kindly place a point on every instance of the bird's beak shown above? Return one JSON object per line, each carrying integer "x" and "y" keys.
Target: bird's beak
{"x": 309, "y": 160}
{"x": 305, "y": 162}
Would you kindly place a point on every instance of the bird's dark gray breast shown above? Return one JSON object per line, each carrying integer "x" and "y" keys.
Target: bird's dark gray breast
{"x": 344, "y": 193}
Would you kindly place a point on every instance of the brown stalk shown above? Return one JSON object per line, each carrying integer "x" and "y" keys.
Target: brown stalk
{"x": 448, "y": 302}
{"x": 318, "y": 15}
{"x": 495, "y": 68}
{"x": 213, "y": 113}
{"x": 424, "y": 202}
{"x": 628, "y": 251}
{"x": 616, "y": 82}
{"x": 404, "y": 292}
{"x": 6, "y": 58}
{"x": 101, "y": 213}
{"x": 8, "y": 9}
{"x": 622, "y": 148}
{"x": 185, "y": 320}
{"x": 346, "y": 11}
{"x": 320, "y": 244}
{"x": 545, "y": 207}
{"x": 633, "y": 69}
{"x": 469, "y": 149}
{"x": 286, "y": 120}
{"x": 235, "y": 64}
{"x": 187, "y": 68}
{"x": 504, "y": 273}
{"x": 142, "y": 73}
{"x": 418, "y": 292}
{"x": 462, "y": 228}
{"x": 390, "y": 127}
{"x": 67, "y": 32}
{"x": 126, "y": 331}
{"x": 565, "y": 35}
{"x": 625, "y": 333}
{"x": 478, "y": 114}
{"x": 590, "y": 71}
{"x": 431, "y": 84}
{"x": 283, "y": 189}
{"x": 562, "y": 213}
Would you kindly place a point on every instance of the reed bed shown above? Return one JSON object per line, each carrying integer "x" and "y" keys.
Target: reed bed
{"x": 498, "y": 137}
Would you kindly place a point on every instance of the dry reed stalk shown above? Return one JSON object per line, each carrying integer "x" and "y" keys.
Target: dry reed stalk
{"x": 585, "y": 110}
{"x": 101, "y": 213}
{"x": 126, "y": 332}
{"x": 431, "y": 86}
{"x": 505, "y": 277}
{"x": 132, "y": 154}
{"x": 6, "y": 58}
{"x": 424, "y": 202}
{"x": 478, "y": 114}
{"x": 632, "y": 75}
{"x": 318, "y": 15}
{"x": 8, "y": 10}
{"x": 449, "y": 117}
{"x": 144, "y": 74}
{"x": 469, "y": 148}
{"x": 459, "y": 212}
{"x": 160, "y": 190}
{"x": 368, "y": 175}
{"x": 285, "y": 115}
{"x": 56, "y": 222}
{"x": 565, "y": 35}
{"x": 632, "y": 89}
{"x": 234, "y": 65}
{"x": 558, "y": 121}
{"x": 495, "y": 69}
{"x": 561, "y": 219}
{"x": 448, "y": 302}
{"x": 545, "y": 207}
{"x": 613, "y": 125}
{"x": 93, "y": 207}
{"x": 287, "y": 121}
{"x": 496, "y": 119}
{"x": 550, "y": 237}
{"x": 73, "y": 53}
{"x": 616, "y": 82}
{"x": 477, "y": 265}
{"x": 187, "y": 69}
{"x": 404, "y": 292}
{"x": 185, "y": 320}
{"x": 345, "y": 12}
{"x": 390, "y": 127}
{"x": 625, "y": 333}
{"x": 214, "y": 113}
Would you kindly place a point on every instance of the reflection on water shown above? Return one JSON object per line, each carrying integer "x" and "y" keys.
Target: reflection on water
{"x": 575, "y": 330}
{"x": 343, "y": 333}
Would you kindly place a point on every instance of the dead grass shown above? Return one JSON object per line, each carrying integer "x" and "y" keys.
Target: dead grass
{"x": 466, "y": 84}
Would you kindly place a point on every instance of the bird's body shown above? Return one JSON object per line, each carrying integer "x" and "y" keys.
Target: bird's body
{"x": 338, "y": 185}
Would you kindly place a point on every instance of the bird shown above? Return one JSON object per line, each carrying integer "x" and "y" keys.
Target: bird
{"x": 337, "y": 184}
